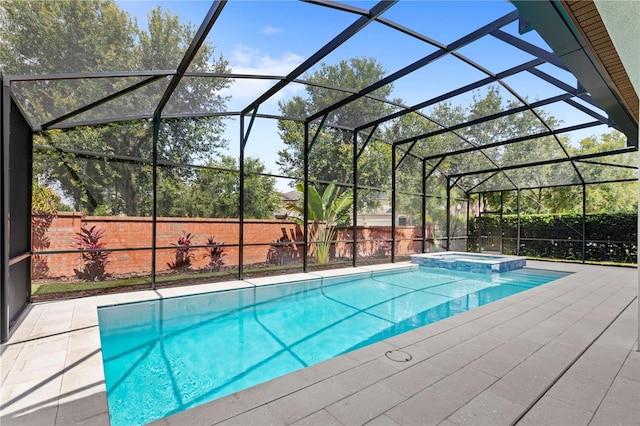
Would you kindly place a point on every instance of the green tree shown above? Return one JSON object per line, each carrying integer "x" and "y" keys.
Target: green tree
{"x": 89, "y": 36}
{"x": 215, "y": 193}
{"x": 325, "y": 212}
{"x": 408, "y": 167}
{"x": 260, "y": 196}
{"x": 610, "y": 197}
{"x": 331, "y": 157}
{"x": 64, "y": 36}
{"x": 485, "y": 103}
{"x": 90, "y": 183}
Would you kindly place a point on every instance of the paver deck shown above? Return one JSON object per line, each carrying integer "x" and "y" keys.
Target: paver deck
{"x": 562, "y": 353}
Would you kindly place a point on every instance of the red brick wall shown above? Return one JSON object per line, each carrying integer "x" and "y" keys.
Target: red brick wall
{"x": 136, "y": 232}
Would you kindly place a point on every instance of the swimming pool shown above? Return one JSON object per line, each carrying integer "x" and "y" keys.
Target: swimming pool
{"x": 165, "y": 356}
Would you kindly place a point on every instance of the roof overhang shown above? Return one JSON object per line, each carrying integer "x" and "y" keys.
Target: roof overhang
{"x": 576, "y": 33}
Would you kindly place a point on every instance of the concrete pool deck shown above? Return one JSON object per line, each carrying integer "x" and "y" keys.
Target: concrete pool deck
{"x": 562, "y": 353}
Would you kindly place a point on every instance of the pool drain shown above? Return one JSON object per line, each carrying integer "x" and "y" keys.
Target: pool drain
{"x": 398, "y": 356}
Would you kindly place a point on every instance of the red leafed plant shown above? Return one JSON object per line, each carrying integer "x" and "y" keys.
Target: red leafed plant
{"x": 184, "y": 252}
{"x": 215, "y": 253}
{"x": 95, "y": 260}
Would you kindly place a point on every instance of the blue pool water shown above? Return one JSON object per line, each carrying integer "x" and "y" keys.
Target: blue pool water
{"x": 162, "y": 357}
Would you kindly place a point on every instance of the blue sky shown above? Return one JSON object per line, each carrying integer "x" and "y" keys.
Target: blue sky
{"x": 273, "y": 37}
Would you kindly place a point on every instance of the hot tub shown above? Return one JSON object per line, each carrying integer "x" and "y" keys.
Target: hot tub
{"x": 470, "y": 262}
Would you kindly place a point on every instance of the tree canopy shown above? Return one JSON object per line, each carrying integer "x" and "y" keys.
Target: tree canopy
{"x": 331, "y": 157}
{"x": 89, "y": 36}
{"x": 215, "y": 193}
{"x": 107, "y": 169}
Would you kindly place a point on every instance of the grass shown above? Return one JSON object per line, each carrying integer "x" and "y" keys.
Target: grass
{"x": 53, "y": 287}
{"x": 69, "y": 287}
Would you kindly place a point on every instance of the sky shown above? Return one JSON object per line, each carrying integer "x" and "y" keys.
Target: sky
{"x": 273, "y": 37}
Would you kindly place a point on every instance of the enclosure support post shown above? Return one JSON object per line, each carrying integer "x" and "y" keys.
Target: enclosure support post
{"x": 16, "y": 156}
{"x": 305, "y": 199}
{"x": 192, "y": 50}
{"x": 584, "y": 222}
{"x": 501, "y": 224}
{"x": 5, "y": 107}
{"x": 154, "y": 197}
{"x": 424, "y": 206}
{"x": 393, "y": 204}
{"x": 467, "y": 219}
{"x": 518, "y": 218}
{"x": 448, "y": 214}
{"x": 244, "y": 138}
{"x": 480, "y": 222}
{"x": 243, "y": 141}
{"x": 354, "y": 250}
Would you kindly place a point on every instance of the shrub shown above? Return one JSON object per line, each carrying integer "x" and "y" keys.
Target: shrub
{"x": 609, "y": 236}
{"x": 383, "y": 249}
{"x": 95, "y": 261}
{"x": 215, "y": 253}
{"x": 44, "y": 202}
{"x": 184, "y": 253}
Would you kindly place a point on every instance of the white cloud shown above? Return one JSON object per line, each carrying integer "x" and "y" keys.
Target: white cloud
{"x": 242, "y": 56}
{"x": 249, "y": 60}
{"x": 268, "y": 30}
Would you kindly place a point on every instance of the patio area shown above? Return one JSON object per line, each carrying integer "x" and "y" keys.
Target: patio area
{"x": 562, "y": 353}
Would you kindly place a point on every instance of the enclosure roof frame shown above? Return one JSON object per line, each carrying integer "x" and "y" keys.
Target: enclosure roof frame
{"x": 541, "y": 15}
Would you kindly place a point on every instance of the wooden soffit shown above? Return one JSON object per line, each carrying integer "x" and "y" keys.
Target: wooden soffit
{"x": 588, "y": 21}
{"x": 576, "y": 33}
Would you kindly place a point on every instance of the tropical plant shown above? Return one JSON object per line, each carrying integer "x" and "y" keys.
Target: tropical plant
{"x": 94, "y": 261}
{"x": 184, "y": 253}
{"x": 215, "y": 253}
{"x": 325, "y": 212}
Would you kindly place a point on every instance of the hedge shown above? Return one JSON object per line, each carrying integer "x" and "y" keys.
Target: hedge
{"x": 611, "y": 237}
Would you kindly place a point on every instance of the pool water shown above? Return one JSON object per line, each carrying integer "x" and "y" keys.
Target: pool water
{"x": 165, "y": 356}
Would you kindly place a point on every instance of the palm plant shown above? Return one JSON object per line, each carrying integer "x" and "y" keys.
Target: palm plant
{"x": 325, "y": 212}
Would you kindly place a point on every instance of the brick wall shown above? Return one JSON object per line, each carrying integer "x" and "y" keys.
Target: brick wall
{"x": 136, "y": 232}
